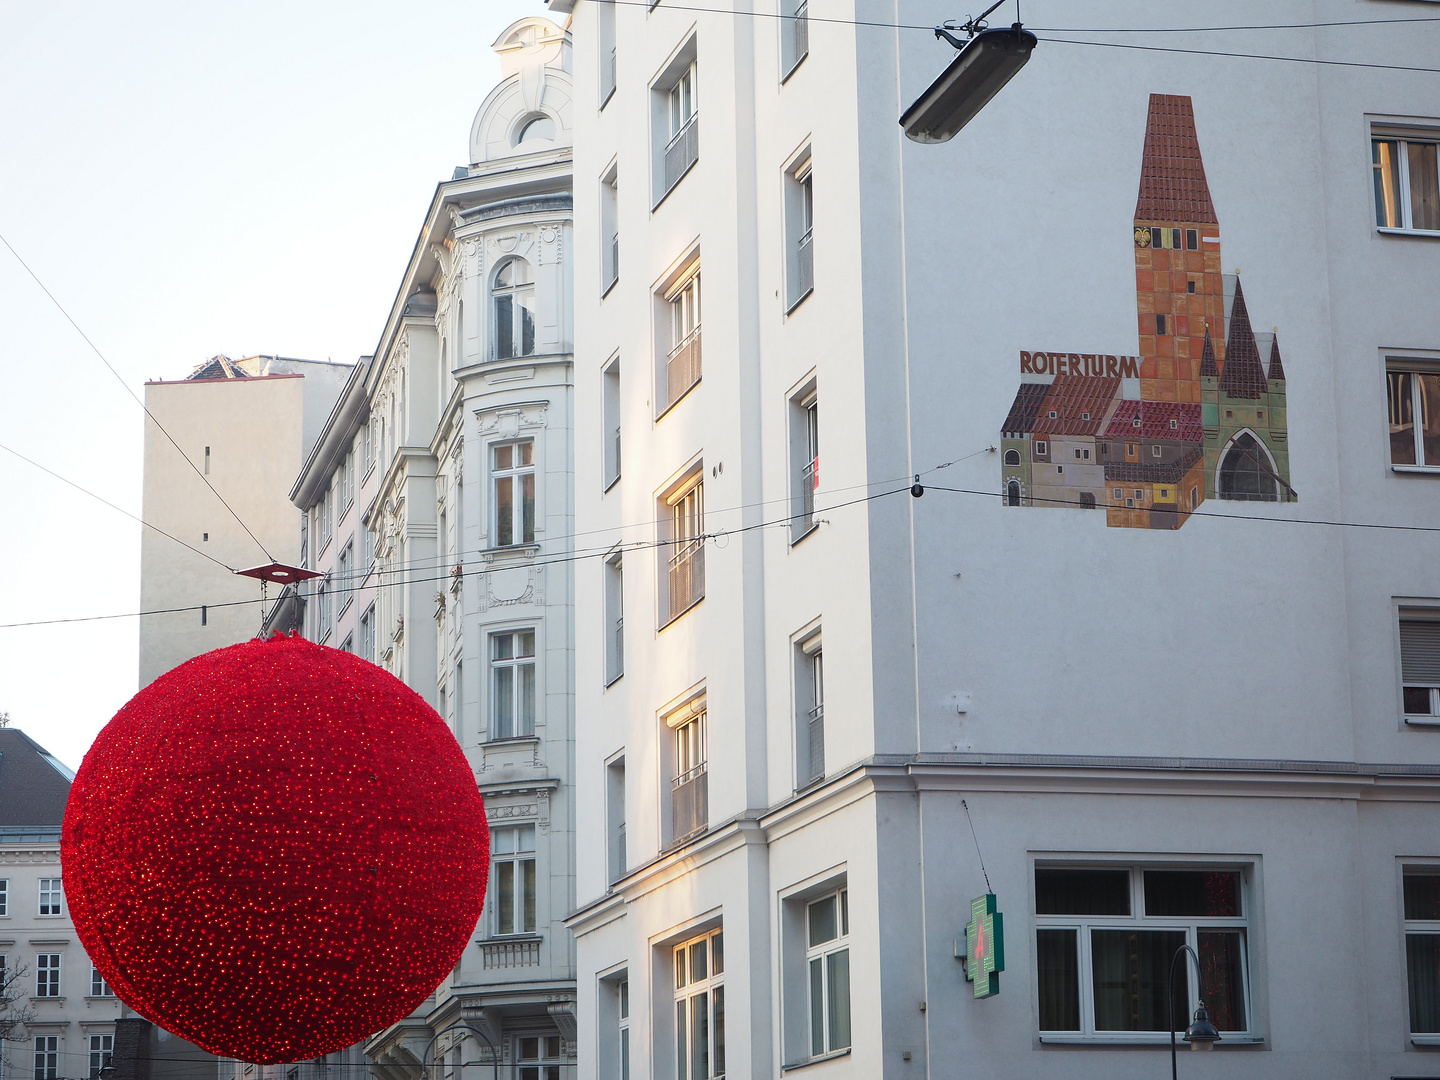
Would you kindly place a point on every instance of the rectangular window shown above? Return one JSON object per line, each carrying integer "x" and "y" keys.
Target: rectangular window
{"x": 809, "y": 711}
{"x": 1420, "y": 664}
{"x": 683, "y": 519}
{"x": 804, "y": 461}
{"x": 610, "y": 425}
{"x": 1413, "y": 397}
{"x": 680, "y": 334}
{"x": 47, "y": 1057}
{"x": 609, "y": 226}
{"x": 606, "y": 36}
{"x": 539, "y": 1057}
{"x": 367, "y": 634}
{"x": 344, "y": 574}
{"x": 679, "y": 123}
{"x": 799, "y": 222}
{"x": 614, "y": 618}
{"x": 98, "y": 986}
{"x": 4, "y": 896}
{"x": 47, "y": 975}
{"x": 827, "y": 959}
{"x": 1407, "y": 184}
{"x": 102, "y": 1054}
{"x": 699, "y": 966}
{"x": 52, "y": 897}
{"x": 689, "y": 783}
{"x": 623, "y": 991}
{"x": 344, "y": 486}
{"x": 794, "y": 35}
{"x": 324, "y": 613}
{"x": 1422, "y": 948}
{"x": 514, "y": 862}
{"x": 1105, "y": 938}
{"x": 367, "y": 435}
{"x": 615, "y": 817}
{"x": 512, "y": 683}
{"x": 512, "y": 474}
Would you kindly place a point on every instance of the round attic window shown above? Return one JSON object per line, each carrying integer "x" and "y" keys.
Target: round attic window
{"x": 536, "y": 129}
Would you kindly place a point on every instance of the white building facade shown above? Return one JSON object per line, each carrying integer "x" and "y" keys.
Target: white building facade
{"x": 1204, "y": 717}
{"x": 439, "y": 513}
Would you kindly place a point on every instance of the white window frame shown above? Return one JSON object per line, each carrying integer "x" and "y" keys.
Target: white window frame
{"x": 822, "y": 959}
{"x": 522, "y": 524}
{"x": 809, "y": 709}
{"x": 367, "y": 633}
{"x": 794, "y": 36}
{"x": 1424, "y": 622}
{"x": 609, "y": 229}
{"x": 804, "y": 409}
{"x": 51, "y": 901}
{"x": 1410, "y": 368}
{"x": 799, "y": 228}
{"x": 606, "y": 41}
{"x": 1084, "y": 925}
{"x": 611, "y": 428}
{"x": 47, "y": 1057}
{"x": 4, "y": 897}
{"x": 47, "y": 975}
{"x": 679, "y": 356}
{"x": 687, "y": 761}
{"x": 547, "y": 1062}
{"x": 614, "y": 587}
{"x": 675, "y": 121}
{"x": 622, "y": 996}
{"x": 514, "y": 297}
{"x": 689, "y": 992}
{"x": 682, "y": 547}
{"x": 513, "y": 848}
{"x": 324, "y": 608}
{"x": 1401, "y": 137}
{"x": 102, "y": 1053}
{"x": 99, "y": 988}
{"x": 344, "y": 574}
{"x": 617, "y": 857}
{"x": 520, "y": 666}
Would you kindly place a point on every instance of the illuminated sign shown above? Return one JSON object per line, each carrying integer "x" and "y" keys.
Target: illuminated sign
{"x": 985, "y": 946}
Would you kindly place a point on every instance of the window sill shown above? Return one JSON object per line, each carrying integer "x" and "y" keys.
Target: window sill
{"x": 510, "y": 740}
{"x": 1433, "y": 470}
{"x": 610, "y": 484}
{"x": 1423, "y": 721}
{"x": 610, "y": 285}
{"x": 831, "y": 1056}
{"x": 682, "y": 396}
{"x": 678, "y": 181}
{"x": 605, "y": 98}
{"x": 1429, "y": 234}
{"x": 99, "y": 997}
{"x": 345, "y": 606}
{"x": 1147, "y": 1039}
{"x": 55, "y": 1000}
{"x": 1425, "y": 1041}
{"x": 528, "y": 935}
{"x": 673, "y": 619}
{"x": 613, "y": 680}
{"x": 783, "y": 80}
{"x": 513, "y": 551}
{"x": 799, "y": 300}
{"x": 813, "y": 527}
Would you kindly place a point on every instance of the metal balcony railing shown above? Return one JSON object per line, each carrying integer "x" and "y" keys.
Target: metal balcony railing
{"x": 617, "y": 854}
{"x": 689, "y": 804}
{"x": 609, "y": 85}
{"x": 682, "y": 151}
{"x": 616, "y": 665}
{"x": 801, "y": 33}
{"x": 816, "y": 738}
{"x": 613, "y": 270}
{"x": 805, "y": 520}
{"x": 804, "y": 266}
{"x": 687, "y": 576}
{"x": 682, "y": 370}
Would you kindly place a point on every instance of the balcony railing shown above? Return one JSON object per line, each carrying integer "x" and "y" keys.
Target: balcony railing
{"x": 805, "y": 519}
{"x": 689, "y": 804}
{"x": 608, "y": 84}
{"x": 616, "y": 660}
{"x": 682, "y": 370}
{"x": 687, "y": 576}
{"x": 510, "y": 954}
{"x": 804, "y": 267}
{"x": 613, "y": 270}
{"x": 801, "y": 33}
{"x": 617, "y": 854}
{"x": 816, "y": 738}
{"x": 682, "y": 151}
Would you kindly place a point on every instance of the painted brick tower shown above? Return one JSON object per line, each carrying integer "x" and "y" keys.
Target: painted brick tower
{"x": 1178, "y": 275}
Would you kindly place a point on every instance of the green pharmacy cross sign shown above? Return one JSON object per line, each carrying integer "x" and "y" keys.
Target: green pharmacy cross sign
{"x": 985, "y": 946}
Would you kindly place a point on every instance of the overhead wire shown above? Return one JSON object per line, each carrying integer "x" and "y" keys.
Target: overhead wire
{"x": 138, "y": 400}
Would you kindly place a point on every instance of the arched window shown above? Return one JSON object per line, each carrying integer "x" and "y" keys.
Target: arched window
{"x": 1245, "y": 471}
{"x": 1012, "y": 457}
{"x": 513, "y": 296}
{"x": 1012, "y": 493}
{"x": 536, "y": 129}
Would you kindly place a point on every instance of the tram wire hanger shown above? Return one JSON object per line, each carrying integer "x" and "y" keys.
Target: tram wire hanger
{"x": 988, "y": 59}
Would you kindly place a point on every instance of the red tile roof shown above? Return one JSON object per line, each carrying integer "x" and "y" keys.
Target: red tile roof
{"x": 1243, "y": 376}
{"x": 1172, "y": 473}
{"x": 1155, "y": 417}
{"x": 1081, "y": 404}
{"x": 1276, "y": 370}
{"x": 1021, "y": 419}
{"x": 1172, "y": 175}
{"x": 1208, "y": 367}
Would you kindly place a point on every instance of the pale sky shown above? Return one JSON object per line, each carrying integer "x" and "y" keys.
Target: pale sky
{"x": 188, "y": 179}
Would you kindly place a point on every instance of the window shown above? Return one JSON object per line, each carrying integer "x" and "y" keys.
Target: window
{"x": 1420, "y": 664}
{"x": 324, "y": 522}
{"x": 367, "y": 435}
{"x": 98, "y": 986}
{"x": 607, "y": 50}
{"x": 623, "y": 992}
{"x": 609, "y": 224}
{"x": 614, "y": 618}
{"x": 683, "y": 518}
{"x": 102, "y": 1054}
{"x": 514, "y": 861}
{"x": 323, "y": 614}
{"x": 794, "y": 35}
{"x": 512, "y": 471}
{"x": 689, "y": 783}
{"x": 1245, "y": 471}
{"x": 344, "y": 569}
{"x": 1422, "y": 948}
{"x": 1012, "y": 493}
{"x": 513, "y": 300}
{"x": 47, "y": 975}
{"x": 538, "y": 1057}
{"x": 799, "y": 218}
{"x": 344, "y": 486}
{"x": 678, "y": 122}
{"x": 52, "y": 899}
{"x": 1160, "y": 324}
{"x": 804, "y": 460}
{"x": 512, "y": 681}
{"x": 1105, "y": 937}
{"x": 680, "y": 315}
{"x": 367, "y": 634}
{"x": 610, "y": 423}
{"x": 827, "y": 959}
{"x": 47, "y": 1057}
{"x": 1407, "y": 184}
{"x": 809, "y": 710}
{"x": 1414, "y": 403}
{"x": 1012, "y": 457}
{"x": 536, "y": 128}
{"x": 4, "y": 896}
{"x": 699, "y": 966}
{"x": 615, "y": 816}
{"x": 368, "y": 559}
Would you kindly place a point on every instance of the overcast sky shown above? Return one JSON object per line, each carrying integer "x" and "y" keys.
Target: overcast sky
{"x": 188, "y": 179}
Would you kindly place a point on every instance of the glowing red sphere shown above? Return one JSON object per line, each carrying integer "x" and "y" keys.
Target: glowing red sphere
{"x": 275, "y": 850}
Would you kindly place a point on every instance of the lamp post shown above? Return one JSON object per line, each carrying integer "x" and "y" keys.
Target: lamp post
{"x": 1201, "y": 1034}
{"x": 494, "y": 1053}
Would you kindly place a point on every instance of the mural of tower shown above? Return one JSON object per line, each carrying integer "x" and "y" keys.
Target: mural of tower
{"x": 1178, "y": 281}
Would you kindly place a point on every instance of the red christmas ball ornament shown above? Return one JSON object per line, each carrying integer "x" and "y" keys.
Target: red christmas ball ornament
{"x": 275, "y": 850}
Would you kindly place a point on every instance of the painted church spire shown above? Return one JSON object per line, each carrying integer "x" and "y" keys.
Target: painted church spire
{"x": 1243, "y": 376}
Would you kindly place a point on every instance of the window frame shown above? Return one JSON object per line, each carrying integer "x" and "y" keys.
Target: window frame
{"x": 799, "y": 207}
{"x": 1401, "y": 135}
{"x": 102, "y": 1056}
{"x": 809, "y": 707}
{"x": 681, "y": 524}
{"x": 527, "y": 530}
{"x": 516, "y": 663}
{"x": 367, "y": 633}
{"x": 671, "y": 128}
{"x": 614, "y": 603}
{"x": 50, "y": 901}
{"x": 47, "y": 1057}
{"x": 611, "y": 409}
{"x": 549, "y": 1061}
{"x": 1083, "y": 927}
{"x": 1412, "y": 368}
{"x": 518, "y": 858}
{"x": 794, "y": 37}
{"x": 48, "y": 968}
{"x": 99, "y": 988}
{"x": 1428, "y": 614}
{"x": 4, "y": 897}
{"x": 686, "y": 990}
{"x": 513, "y": 294}
{"x": 821, "y": 954}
